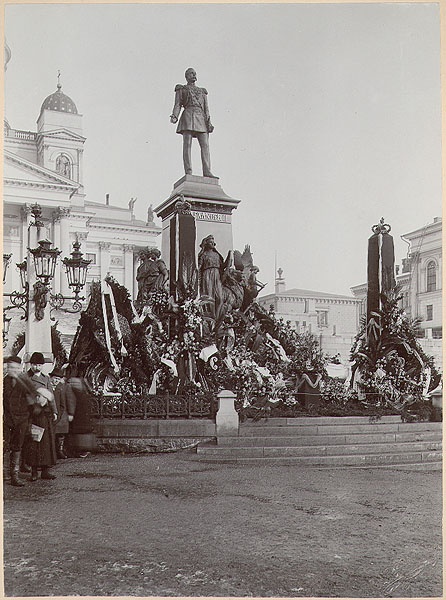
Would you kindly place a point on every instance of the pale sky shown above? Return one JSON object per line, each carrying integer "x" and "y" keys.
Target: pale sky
{"x": 326, "y": 117}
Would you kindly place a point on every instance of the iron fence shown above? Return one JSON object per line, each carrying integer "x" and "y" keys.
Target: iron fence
{"x": 198, "y": 406}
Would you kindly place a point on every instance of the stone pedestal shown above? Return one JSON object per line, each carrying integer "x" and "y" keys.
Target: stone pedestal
{"x": 211, "y": 209}
{"x": 227, "y": 420}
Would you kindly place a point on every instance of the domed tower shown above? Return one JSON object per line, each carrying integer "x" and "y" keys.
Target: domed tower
{"x": 59, "y": 136}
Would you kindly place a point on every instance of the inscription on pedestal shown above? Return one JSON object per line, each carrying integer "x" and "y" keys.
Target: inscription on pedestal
{"x": 208, "y": 216}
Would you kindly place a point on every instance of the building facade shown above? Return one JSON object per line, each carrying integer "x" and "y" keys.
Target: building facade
{"x": 332, "y": 318}
{"x": 420, "y": 280}
{"x": 46, "y": 167}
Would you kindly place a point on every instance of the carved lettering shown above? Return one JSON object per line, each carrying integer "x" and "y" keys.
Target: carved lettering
{"x": 208, "y": 216}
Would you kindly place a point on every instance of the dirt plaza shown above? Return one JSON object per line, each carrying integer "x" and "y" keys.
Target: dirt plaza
{"x": 168, "y": 525}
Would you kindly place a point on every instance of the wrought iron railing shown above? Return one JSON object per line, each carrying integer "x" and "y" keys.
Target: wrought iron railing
{"x": 197, "y": 406}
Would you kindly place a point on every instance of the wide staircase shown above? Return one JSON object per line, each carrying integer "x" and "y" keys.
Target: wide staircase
{"x": 331, "y": 442}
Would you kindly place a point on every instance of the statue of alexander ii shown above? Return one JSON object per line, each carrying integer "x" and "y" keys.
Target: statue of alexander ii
{"x": 195, "y": 121}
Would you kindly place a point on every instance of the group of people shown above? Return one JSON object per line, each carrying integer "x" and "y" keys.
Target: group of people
{"x": 39, "y": 413}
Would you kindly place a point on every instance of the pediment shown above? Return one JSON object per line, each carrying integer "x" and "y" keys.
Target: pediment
{"x": 62, "y": 134}
{"x": 18, "y": 170}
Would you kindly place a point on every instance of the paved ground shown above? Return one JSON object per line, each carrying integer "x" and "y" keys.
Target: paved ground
{"x": 170, "y": 526}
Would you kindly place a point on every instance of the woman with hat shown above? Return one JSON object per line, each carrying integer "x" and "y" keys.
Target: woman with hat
{"x": 66, "y": 406}
{"x": 38, "y": 379}
{"x": 41, "y": 452}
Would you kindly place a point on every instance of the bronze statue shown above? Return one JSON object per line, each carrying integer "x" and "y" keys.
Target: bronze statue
{"x": 194, "y": 121}
{"x": 244, "y": 263}
{"x": 233, "y": 289}
{"x": 210, "y": 268}
{"x": 152, "y": 275}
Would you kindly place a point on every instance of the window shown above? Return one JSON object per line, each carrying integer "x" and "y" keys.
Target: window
{"x": 431, "y": 284}
{"x": 297, "y": 326}
{"x": 63, "y": 165}
{"x": 91, "y": 257}
{"x": 429, "y": 312}
{"x": 322, "y": 318}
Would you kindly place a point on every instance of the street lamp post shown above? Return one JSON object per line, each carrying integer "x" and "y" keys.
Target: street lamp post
{"x": 36, "y": 274}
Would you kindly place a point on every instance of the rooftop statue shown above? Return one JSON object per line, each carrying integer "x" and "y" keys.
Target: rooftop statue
{"x": 195, "y": 121}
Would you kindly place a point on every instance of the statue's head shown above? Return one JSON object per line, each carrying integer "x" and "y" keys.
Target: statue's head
{"x": 154, "y": 253}
{"x": 208, "y": 242}
{"x": 191, "y": 75}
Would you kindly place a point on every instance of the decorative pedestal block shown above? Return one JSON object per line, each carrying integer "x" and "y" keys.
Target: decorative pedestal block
{"x": 211, "y": 210}
{"x": 227, "y": 419}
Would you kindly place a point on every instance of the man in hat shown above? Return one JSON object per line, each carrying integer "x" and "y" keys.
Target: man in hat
{"x": 15, "y": 415}
{"x": 38, "y": 380}
{"x": 66, "y": 406}
{"x": 34, "y": 372}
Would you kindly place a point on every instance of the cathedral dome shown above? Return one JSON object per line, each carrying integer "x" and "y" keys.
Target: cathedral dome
{"x": 59, "y": 102}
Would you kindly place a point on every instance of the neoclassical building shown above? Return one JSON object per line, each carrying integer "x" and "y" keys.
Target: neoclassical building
{"x": 46, "y": 167}
{"x": 420, "y": 279}
{"x": 332, "y": 318}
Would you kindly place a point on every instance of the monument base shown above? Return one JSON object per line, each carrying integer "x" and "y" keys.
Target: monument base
{"x": 211, "y": 208}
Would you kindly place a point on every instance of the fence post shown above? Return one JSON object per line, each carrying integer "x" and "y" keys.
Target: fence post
{"x": 227, "y": 420}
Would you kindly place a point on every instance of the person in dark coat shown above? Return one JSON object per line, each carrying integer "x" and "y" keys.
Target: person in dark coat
{"x": 82, "y": 422}
{"x": 34, "y": 372}
{"x": 15, "y": 416}
{"x": 38, "y": 379}
{"x": 66, "y": 407}
{"x": 42, "y": 453}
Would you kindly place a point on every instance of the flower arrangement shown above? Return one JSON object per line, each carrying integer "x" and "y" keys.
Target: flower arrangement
{"x": 394, "y": 372}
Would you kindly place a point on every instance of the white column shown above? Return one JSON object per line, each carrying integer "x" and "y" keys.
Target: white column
{"x": 26, "y": 220}
{"x": 59, "y": 274}
{"x": 104, "y": 258}
{"x": 129, "y": 269}
{"x": 65, "y": 246}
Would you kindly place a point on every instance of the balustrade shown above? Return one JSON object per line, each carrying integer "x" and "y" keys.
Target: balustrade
{"x": 19, "y": 134}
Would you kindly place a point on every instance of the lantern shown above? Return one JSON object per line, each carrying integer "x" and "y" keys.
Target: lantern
{"x": 45, "y": 260}
{"x": 76, "y": 268}
{"x": 6, "y": 261}
{"x": 6, "y": 325}
{"x": 23, "y": 270}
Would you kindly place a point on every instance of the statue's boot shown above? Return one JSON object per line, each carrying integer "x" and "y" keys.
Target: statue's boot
{"x": 34, "y": 473}
{"x": 15, "y": 467}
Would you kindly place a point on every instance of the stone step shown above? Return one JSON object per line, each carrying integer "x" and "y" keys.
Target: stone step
{"x": 335, "y": 450}
{"x": 289, "y": 430}
{"x": 285, "y": 421}
{"x": 425, "y": 466}
{"x": 317, "y": 440}
{"x": 398, "y": 458}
